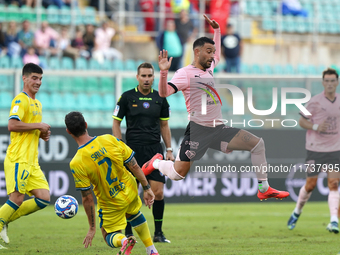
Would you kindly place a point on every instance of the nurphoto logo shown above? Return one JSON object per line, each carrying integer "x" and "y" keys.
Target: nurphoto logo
{"x": 238, "y": 107}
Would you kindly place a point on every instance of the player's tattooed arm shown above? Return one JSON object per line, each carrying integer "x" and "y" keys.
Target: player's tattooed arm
{"x": 132, "y": 164}
{"x": 137, "y": 171}
{"x": 88, "y": 203}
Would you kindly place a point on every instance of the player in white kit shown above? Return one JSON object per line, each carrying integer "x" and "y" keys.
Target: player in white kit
{"x": 204, "y": 131}
{"x": 323, "y": 147}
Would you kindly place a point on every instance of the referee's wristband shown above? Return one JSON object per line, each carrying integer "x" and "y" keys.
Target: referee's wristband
{"x": 315, "y": 127}
{"x": 169, "y": 149}
{"x": 146, "y": 187}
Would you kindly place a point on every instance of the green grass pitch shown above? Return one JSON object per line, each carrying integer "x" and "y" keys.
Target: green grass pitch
{"x": 220, "y": 229}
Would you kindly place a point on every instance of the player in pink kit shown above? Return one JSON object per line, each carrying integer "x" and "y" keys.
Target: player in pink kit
{"x": 323, "y": 147}
{"x": 203, "y": 131}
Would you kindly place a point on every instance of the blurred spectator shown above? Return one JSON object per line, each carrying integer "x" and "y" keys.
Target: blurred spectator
{"x": 15, "y": 2}
{"x": 30, "y": 3}
{"x": 45, "y": 40}
{"x": 89, "y": 38}
{"x": 148, "y": 7}
{"x": 293, "y": 7}
{"x": 232, "y": 50}
{"x": 78, "y": 44}
{"x": 102, "y": 48}
{"x": 61, "y": 3}
{"x": 64, "y": 45}
{"x": 3, "y": 49}
{"x": 170, "y": 41}
{"x": 184, "y": 27}
{"x": 26, "y": 37}
{"x": 31, "y": 57}
{"x": 12, "y": 41}
{"x": 219, "y": 11}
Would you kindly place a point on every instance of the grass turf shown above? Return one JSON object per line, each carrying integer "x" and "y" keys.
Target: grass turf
{"x": 228, "y": 228}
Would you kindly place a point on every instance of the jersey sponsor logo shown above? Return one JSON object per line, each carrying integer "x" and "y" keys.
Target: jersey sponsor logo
{"x": 114, "y": 191}
{"x": 116, "y": 111}
{"x": 209, "y": 87}
{"x": 15, "y": 109}
{"x": 145, "y": 98}
{"x": 17, "y": 102}
{"x": 146, "y": 105}
{"x": 36, "y": 113}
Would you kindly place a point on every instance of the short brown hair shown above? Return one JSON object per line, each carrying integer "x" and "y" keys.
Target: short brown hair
{"x": 145, "y": 65}
{"x": 330, "y": 71}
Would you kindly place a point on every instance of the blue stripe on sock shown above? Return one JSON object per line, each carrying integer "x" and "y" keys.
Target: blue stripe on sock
{"x": 41, "y": 202}
{"x": 135, "y": 222}
{"x": 101, "y": 217}
{"x": 109, "y": 239}
{"x": 11, "y": 204}
{"x": 16, "y": 176}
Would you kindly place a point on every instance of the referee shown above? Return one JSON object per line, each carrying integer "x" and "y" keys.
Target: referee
{"x": 147, "y": 117}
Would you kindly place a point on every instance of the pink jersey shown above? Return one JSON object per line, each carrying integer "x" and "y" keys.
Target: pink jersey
{"x": 322, "y": 109}
{"x": 194, "y": 83}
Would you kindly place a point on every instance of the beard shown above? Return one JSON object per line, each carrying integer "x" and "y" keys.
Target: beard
{"x": 205, "y": 64}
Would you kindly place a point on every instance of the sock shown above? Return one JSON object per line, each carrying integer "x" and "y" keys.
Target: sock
{"x": 155, "y": 163}
{"x": 151, "y": 250}
{"x": 167, "y": 168}
{"x": 6, "y": 212}
{"x": 158, "y": 211}
{"x": 258, "y": 158}
{"x": 115, "y": 239}
{"x": 28, "y": 207}
{"x": 263, "y": 186}
{"x": 138, "y": 222}
{"x": 128, "y": 229}
{"x": 303, "y": 198}
{"x": 333, "y": 204}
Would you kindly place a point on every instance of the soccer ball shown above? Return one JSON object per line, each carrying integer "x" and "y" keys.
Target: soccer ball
{"x": 66, "y": 207}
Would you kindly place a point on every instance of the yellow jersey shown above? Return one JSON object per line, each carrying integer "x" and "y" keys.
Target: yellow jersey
{"x": 24, "y": 145}
{"x": 100, "y": 162}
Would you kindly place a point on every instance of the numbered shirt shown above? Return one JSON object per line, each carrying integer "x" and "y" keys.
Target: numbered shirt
{"x": 143, "y": 114}
{"x": 100, "y": 163}
{"x": 322, "y": 109}
{"x": 24, "y": 145}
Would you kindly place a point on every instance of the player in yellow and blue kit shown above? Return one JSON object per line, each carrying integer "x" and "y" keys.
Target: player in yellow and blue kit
{"x": 99, "y": 162}
{"x": 22, "y": 171}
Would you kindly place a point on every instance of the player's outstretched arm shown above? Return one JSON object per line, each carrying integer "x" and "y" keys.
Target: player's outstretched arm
{"x": 88, "y": 203}
{"x": 148, "y": 196}
{"x": 212, "y": 23}
{"x": 164, "y": 64}
{"x": 217, "y": 38}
